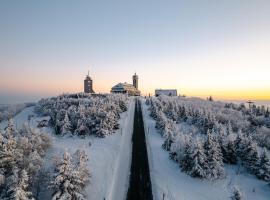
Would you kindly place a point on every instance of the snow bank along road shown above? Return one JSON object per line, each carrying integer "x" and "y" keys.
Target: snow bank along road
{"x": 140, "y": 182}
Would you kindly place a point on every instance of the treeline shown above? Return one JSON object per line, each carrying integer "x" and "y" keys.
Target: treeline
{"x": 84, "y": 114}
{"x": 259, "y": 121}
{"x": 202, "y": 135}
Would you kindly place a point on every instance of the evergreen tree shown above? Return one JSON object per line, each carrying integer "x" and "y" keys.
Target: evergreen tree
{"x": 240, "y": 144}
{"x": 237, "y": 195}
{"x": 17, "y": 185}
{"x": 21, "y": 152}
{"x": 222, "y": 138}
{"x": 80, "y": 169}
{"x": 67, "y": 127}
{"x": 198, "y": 161}
{"x": 10, "y": 129}
{"x": 264, "y": 166}
{"x": 168, "y": 133}
{"x": 182, "y": 116}
{"x": 61, "y": 182}
{"x": 9, "y": 154}
{"x": 34, "y": 163}
{"x": 161, "y": 120}
{"x": 178, "y": 147}
{"x": 186, "y": 161}
{"x": 229, "y": 128}
{"x": 214, "y": 158}
{"x": 82, "y": 128}
{"x": 229, "y": 151}
{"x": 70, "y": 178}
{"x": 250, "y": 156}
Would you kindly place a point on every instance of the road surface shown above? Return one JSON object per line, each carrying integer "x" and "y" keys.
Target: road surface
{"x": 140, "y": 182}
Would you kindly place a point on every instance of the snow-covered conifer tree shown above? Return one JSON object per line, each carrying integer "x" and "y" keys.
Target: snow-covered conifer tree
{"x": 168, "y": 133}
{"x": 229, "y": 150}
{"x": 240, "y": 144}
{"x": 80, "y": 158}
{"x": 68, "y": 182}
{"x": 61, "y": 182}
{"x": 17, "y": 186}
{"x": 214, "y": 157}
{"x": 178, "y": 147}
{"x": 67, "y": 127}
{"x": 198, "y": 161}
{"x": 9, "y": 154}
{"x": 82, "y": 128}
{"x": 161, "y": 120}
{"x": 237, "y": 194}
{"x": 250, "y": 156}
{"x": 264, "y": 166}
{"x": 10, "y": 129}
{"x": 186, "y": 161}
{"x": 34, "y": 163}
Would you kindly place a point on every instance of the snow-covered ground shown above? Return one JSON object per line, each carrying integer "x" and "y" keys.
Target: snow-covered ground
{"x": 109, "y": 157}
{"x": 168, "y": 180}
{"x": 109, "y": 164}
{"x": 20, "y": 118}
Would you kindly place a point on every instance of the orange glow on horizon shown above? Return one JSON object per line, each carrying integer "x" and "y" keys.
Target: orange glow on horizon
{"x": 148, "y": 82}
{"x": 219, "y": 94}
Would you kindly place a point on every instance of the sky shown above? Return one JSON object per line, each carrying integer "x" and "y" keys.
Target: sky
{"x": 199, "y": 47}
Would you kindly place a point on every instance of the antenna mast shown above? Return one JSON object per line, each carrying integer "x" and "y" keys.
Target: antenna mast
{"x": 250, "y": 103}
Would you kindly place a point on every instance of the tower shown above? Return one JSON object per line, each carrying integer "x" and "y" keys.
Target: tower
{"x": 88, "y": 84}
{"x": 135, "y": 79}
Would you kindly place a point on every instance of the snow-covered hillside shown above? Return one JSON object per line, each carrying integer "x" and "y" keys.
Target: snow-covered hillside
{"x": 7, "y": 111}
{"x": 197, "y": 149}
{"x": 108, "y": 157}
{"x": 166, "y": 175}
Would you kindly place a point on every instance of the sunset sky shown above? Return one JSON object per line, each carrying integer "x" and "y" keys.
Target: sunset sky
{"x": 201, "y": 48}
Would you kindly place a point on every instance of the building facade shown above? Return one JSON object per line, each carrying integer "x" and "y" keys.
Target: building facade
{"x": 126, "y": 88}
{"x": 172, "y": 92}
{"x": 88, "y": 84}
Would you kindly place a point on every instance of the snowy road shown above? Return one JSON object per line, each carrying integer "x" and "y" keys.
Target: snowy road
{"x": 140, "y": 182}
